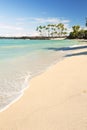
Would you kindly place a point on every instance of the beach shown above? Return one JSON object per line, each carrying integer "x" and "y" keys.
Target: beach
{"x": 21, "y": 60}
{"x": 55, "y": 99}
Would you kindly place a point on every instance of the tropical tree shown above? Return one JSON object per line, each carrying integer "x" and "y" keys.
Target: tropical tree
{"x": 85, "y": 34}
{"x": 61, "y": 29}
{"x": 39, "y": 29}
{"x": 76, "y": 28}
{"x": 52, "y": 30}
{"x": 75, "y": 32}
{"x": 81, "y": 33}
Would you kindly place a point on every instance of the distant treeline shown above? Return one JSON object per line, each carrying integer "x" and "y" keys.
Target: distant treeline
{"x": 59, "y": 30}
{"x": 54, "y": 31}
{"x": 78, "y": 33}
{"x": 33, "y": 37}
{"x": 15, "y": 37}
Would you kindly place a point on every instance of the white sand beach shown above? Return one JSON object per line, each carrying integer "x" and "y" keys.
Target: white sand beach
{"x": 55, "y": 100}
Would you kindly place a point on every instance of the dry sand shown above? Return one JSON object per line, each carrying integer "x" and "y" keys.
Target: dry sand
{"x": 55, "y": 100}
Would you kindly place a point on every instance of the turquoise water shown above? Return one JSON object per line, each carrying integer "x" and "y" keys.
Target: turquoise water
{"x": 20, "y": 60}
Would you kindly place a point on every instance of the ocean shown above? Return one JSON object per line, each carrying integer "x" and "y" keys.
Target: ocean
{"x": 21, "y": 60}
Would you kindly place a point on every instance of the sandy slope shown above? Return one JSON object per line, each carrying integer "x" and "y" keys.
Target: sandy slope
{"x": 55, "y": 100}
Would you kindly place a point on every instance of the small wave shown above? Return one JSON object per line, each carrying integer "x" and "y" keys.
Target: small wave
{"x": 13, "y": 90}
{"x": 74, "y": 46}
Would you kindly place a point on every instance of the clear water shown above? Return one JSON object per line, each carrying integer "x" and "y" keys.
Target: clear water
{"x": 20, "y": 60}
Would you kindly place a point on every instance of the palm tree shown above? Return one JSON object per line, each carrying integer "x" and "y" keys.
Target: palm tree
{"x": 76, "y": 28}
{"x": 43, "y": 30}
{"x": 49, "y": 29}
{"x": 75, "y": 32}
{"x": 81, "y": 33}
{"x": 40, "y": 30}
{"x": 85, "y": 34}
{"x": 60, "y": 28}
{"x": 52, "y": 30}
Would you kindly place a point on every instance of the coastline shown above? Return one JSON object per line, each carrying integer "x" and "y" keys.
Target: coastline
{"x": 56, "y": 57}
{"x": 34, "y": 37}
{"x": 56, "y": 99}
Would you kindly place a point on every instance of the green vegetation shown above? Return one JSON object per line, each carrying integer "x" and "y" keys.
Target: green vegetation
{"x": 78, "y": 33}
{"x": 52, "y": 30}
{"x": 59, "y": 30}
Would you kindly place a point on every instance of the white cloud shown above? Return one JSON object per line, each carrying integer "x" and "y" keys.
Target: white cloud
{"x": 21, "y": 19}
{"x": 41, "y": 20}
{"x": 27, "y": 25}
{"x": 65, "y": 21}
{"x": 53, "y": 21}
{"x": 20, "y": 23}
{"x": 49, "y": 20}
{"x": 10, "y": 27}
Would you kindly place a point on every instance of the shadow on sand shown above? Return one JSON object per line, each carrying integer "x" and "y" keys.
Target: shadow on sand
{"x": 70, "y": 48}
{"x": 77, "y": 54}
{"x": 66, "y": 48}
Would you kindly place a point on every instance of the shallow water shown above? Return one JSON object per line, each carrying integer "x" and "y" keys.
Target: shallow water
{"x": 20, "y": 60}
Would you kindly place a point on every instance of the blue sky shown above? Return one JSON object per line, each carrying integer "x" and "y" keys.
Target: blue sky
{"x": 21, "y": 17}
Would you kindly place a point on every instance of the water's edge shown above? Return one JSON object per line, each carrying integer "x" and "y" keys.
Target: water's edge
{"x": 27, "y": 87}
{"x": 28, "y": 78}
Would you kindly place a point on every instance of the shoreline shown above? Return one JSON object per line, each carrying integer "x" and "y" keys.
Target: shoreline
{"x": 39, "y": 73}
{"x": 33, "y": 37}
{"x": 27, "y": 87}
{"x": 38, "y": 106}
